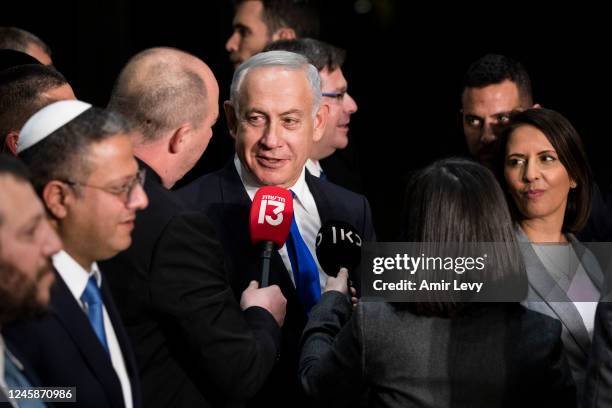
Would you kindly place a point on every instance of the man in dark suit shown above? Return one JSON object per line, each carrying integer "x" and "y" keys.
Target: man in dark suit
{"x": 83, "y": 167}
{"x": 195, "y": 345}
{"x": 27, "y": 242}
{"x": 275, "y": 115}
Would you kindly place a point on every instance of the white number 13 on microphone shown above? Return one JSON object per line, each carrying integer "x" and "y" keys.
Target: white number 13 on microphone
{"x": 278, "y": 211}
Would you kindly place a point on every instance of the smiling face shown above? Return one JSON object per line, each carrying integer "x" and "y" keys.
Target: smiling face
{"x": 341, "y": 107}
{"x": 275, "y": 128}
{"x": 99, "y": 222}
{"x": 538, "y": 181}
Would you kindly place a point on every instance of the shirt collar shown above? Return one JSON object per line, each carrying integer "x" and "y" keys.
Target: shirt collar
{"x": 314, "y": 167}
{"x": 74, "y": 275}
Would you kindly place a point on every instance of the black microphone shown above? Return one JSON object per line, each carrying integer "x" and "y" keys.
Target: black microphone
{"x": 338, "y": 246}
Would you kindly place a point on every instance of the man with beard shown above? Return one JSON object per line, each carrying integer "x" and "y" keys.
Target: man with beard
{"x": 27, "y": 242}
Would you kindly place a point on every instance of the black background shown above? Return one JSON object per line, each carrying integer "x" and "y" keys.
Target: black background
{"x": 404, "y": 68}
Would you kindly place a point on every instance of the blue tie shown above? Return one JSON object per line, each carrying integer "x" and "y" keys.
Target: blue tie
{"x": 14, "y": 378}
{"x": 304, "y": 267}
{"x": 322, "y": 175}
{"x": 93, "y": 299}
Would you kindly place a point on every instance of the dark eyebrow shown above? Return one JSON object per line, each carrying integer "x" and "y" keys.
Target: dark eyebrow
{"x": 241, "y": 26}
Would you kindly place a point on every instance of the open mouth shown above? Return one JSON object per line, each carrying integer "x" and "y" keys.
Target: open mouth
{"x": 271, "y": 162}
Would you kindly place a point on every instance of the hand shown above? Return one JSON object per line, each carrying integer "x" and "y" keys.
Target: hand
{"x": 339, "y": 283}
{"x": 354, "y": 298}
{"x": 270, "y": 298}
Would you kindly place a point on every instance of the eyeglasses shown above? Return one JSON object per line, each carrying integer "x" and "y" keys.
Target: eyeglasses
{"x": 125, "y": 192}
{"x": 335, "y": 95}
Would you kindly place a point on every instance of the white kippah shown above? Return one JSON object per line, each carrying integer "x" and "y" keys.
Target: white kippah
{"x": 48, "y": 120}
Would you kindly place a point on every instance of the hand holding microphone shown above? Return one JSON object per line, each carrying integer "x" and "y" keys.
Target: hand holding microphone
{"x": 339, "y": 253}
{"x": 270, "y": 221}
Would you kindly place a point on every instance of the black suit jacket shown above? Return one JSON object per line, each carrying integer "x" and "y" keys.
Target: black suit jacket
{"x": 63, "y": 350}
{"x": 223, "y": 198}
{"x": 193, "y": 344}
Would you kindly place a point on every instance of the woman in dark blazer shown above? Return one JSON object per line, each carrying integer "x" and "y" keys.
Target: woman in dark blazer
{"x": 436, "y": 353}
{"x": 546, "y": 175}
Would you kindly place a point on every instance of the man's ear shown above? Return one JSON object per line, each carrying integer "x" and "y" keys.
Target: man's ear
{"x": 320, "y": 120}
{"x": 230, "y": 118}
{"x": 57, "y": 197}
{"x": 178, "y": 140}
{"x": 11, "y": 141}
{"x": 284, "y": 33}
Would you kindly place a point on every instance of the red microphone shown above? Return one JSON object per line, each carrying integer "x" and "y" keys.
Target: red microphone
{"x": 271, "y": 216}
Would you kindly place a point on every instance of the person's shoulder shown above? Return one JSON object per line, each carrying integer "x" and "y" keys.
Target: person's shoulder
{"x": 199, "y": 189}
{"x": 333, "y": 190}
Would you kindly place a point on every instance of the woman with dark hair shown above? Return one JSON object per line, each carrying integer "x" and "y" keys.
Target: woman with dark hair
{"x": 547, "y": 178}
{"x": 436, "y": 353}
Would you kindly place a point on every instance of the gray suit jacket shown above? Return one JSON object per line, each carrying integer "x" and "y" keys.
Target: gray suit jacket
{"x": 497, "y": 355}
{"x": 547, "y": 297}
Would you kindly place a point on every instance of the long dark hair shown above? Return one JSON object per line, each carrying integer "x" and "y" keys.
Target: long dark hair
{"x": 459, "y": 201}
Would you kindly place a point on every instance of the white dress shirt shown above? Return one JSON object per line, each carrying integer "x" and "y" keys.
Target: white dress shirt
{"x": 76, "y": 279}
{"x": 314, "y": 167}
{"x": 304, "y": 211}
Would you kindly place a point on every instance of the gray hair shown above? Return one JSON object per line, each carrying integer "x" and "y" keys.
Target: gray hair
{"x": 284, "y": 59}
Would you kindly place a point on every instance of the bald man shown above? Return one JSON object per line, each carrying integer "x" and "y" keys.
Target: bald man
{"x": 195, "y": 344}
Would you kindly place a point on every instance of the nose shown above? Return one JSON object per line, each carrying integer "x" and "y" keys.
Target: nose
{"x": 138, "y": 199}
{"x": 52, "y": 242}
{"x": 350, "y": 105}
{"x": 232, "y": 42}
{"x": 271, "y": 138}
{"x": 531, "y": 171}
{"x": 488, "y": 134}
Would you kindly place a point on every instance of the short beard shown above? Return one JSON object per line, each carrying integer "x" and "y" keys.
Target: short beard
{"x": 18, "y": 296}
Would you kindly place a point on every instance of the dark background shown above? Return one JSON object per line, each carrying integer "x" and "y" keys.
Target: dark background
{"x": 404, "y": 69}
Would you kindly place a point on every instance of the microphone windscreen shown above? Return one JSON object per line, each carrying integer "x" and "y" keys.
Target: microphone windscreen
{"x": 271, "y": 215}
{"x": 338, "y": 245}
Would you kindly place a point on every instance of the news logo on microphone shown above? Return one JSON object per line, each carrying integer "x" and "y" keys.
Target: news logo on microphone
{"x": 271, "y": 215}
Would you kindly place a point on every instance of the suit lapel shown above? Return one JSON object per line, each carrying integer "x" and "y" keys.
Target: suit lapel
{"x": 124, "y": 342}
{"x": 326, "y": 210}
{"x": 72, "y": 317}
{"x": 546, "y": 289}
{"x": 236, "y": 211}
